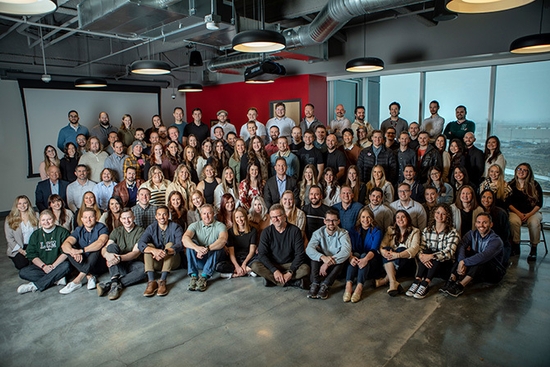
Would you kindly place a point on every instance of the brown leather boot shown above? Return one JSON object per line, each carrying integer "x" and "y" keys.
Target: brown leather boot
{"x": 151, "y": 288}
{"x": 162, "y": 290}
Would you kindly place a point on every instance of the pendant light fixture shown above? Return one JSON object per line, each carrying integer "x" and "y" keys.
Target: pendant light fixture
{"x": 27, "y": 7}
{"x": 259, "y": 40}
{"x": 150, "y": 67}
{"x": 364, "y": 64}
{"x": 532, "y": 44}
{"x": 190, "y": 87}
{"x": 89, "y": 82}
{"x": 484, "y": 6}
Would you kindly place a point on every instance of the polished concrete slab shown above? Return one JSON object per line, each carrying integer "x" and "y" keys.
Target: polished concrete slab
{"x": 238, "y": 322}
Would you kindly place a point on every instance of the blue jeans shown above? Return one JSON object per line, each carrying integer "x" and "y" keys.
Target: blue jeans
{"x": 207, "y": 263}
{"x": 368, "y": 272}
{"x": 41, "y": 280}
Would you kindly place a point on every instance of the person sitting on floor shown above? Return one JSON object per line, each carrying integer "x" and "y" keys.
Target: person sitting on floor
{"x": 281, "y": 253}
{"x": 479, "y": 257}
{"x": 160, "y": 244}
{"x": 48, "y": 265}
{"x": 329, "y": 248}
{"x": 83, "y": 247}
{"x": 121, "y": 255}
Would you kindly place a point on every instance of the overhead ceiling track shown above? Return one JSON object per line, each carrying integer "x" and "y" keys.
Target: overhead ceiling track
{"x": 60, "y": 28}
{"x": 182, "y": 29}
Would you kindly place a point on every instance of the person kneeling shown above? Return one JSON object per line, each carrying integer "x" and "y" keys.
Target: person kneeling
{"x": 160, "y": 244}
{"x": 48, "y": 265}
{"x": 479, "y": 257}
{"x": 121, "y": 254}
{"x": 328, "y": 249}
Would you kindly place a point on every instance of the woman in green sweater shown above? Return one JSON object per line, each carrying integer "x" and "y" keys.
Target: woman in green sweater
{"x": 48, "y": 265}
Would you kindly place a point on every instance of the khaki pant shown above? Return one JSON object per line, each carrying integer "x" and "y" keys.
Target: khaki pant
{"x": 260, "y": 269}
{"x": 168, "y": 263}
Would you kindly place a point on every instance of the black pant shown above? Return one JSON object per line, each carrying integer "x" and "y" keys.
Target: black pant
{"x": 491, "y": 271}
{"x": 91, "y": 264}
{"x": 20, "y": 261}
{"x": 332, "y": 273}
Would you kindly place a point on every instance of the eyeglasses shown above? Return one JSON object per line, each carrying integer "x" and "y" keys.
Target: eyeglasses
{"x": 272, "y": 217}
{"x": 403, "y": 191}
{"x": 331, "y": 220}
{"x": 519, "y": 169}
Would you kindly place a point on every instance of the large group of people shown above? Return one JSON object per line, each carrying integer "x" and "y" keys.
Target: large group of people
{"x": 298, "y": 204}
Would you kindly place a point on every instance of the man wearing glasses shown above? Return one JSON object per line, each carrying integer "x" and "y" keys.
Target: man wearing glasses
{"x": 68, "y": 133}
{"x": 281, "y": 253}
{"x": 328, "y": 249}
{"x": 415, "y": 209}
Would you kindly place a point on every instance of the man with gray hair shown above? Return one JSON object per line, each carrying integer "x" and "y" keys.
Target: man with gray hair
{"x": 281, "y": 253}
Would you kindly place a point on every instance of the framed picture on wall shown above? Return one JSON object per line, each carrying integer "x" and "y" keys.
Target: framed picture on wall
{"x": 293, "y": 109}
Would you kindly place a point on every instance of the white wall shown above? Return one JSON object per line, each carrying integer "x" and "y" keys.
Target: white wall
{"x": 13, "y": 147}
{"x": 13, "y": 141}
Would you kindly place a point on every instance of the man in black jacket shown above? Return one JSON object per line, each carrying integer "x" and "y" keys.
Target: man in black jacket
{"x": 377, "y": 154}
{"x": 427, "y": 157}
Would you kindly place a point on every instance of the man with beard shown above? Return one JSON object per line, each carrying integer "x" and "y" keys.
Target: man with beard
{"x": 103, "y": 128}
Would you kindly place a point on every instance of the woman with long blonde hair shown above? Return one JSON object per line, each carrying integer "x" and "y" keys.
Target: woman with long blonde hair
{"x": 182, "y": 183}
{"x": 378, "y": 179}
{"x": 20, "y": 223}
{"x": 495, "y": 182}
{"x": 293, "y": 214}
{"x": 88, "y": 201}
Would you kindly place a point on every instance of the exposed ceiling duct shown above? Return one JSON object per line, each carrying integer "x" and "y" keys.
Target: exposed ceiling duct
{"x": 334, "y": 15}
{"x": 163, "y": 27}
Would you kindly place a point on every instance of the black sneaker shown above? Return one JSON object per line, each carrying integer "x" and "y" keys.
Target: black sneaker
{"x": 448, "y": 284}
{"x": 413, "y": 288}
{"x": 422, "y": 290}
{"x": 532, "y": 255}
{"x": 313, "y": 291}
{"x": 455, "y": 290}
{"x": 323, "y": 292}
{"x": 268, "y": 283}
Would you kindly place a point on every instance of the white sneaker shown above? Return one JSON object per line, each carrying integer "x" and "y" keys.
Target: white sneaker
{"x": 92, "y": 283}
{"x": 252, "y": 274}
{"x": 69, "y": 288}
{"x": 226, "y": 275}
{"x": 26, "y": 288}
{"x": 62, "y": 282}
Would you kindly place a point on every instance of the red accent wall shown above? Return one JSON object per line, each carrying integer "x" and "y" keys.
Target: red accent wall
{"x": 236, "y": 98}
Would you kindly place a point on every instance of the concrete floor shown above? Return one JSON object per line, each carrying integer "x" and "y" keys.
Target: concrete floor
{"x": 238, "y": 322}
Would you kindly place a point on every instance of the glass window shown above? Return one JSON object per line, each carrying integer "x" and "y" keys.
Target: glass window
{"x": 467, "y": 87}
{"x": 521, "y": 117}
{"x": 404, "y": 89}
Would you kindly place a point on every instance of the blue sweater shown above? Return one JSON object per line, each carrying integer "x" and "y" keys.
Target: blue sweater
{"x": 371, "y": 243}
{"x": 486, "y": 248}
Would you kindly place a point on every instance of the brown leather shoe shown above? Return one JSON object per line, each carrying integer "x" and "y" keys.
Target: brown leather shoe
{"x": 162, "y": 290}
{"x": 151, "y": 289}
